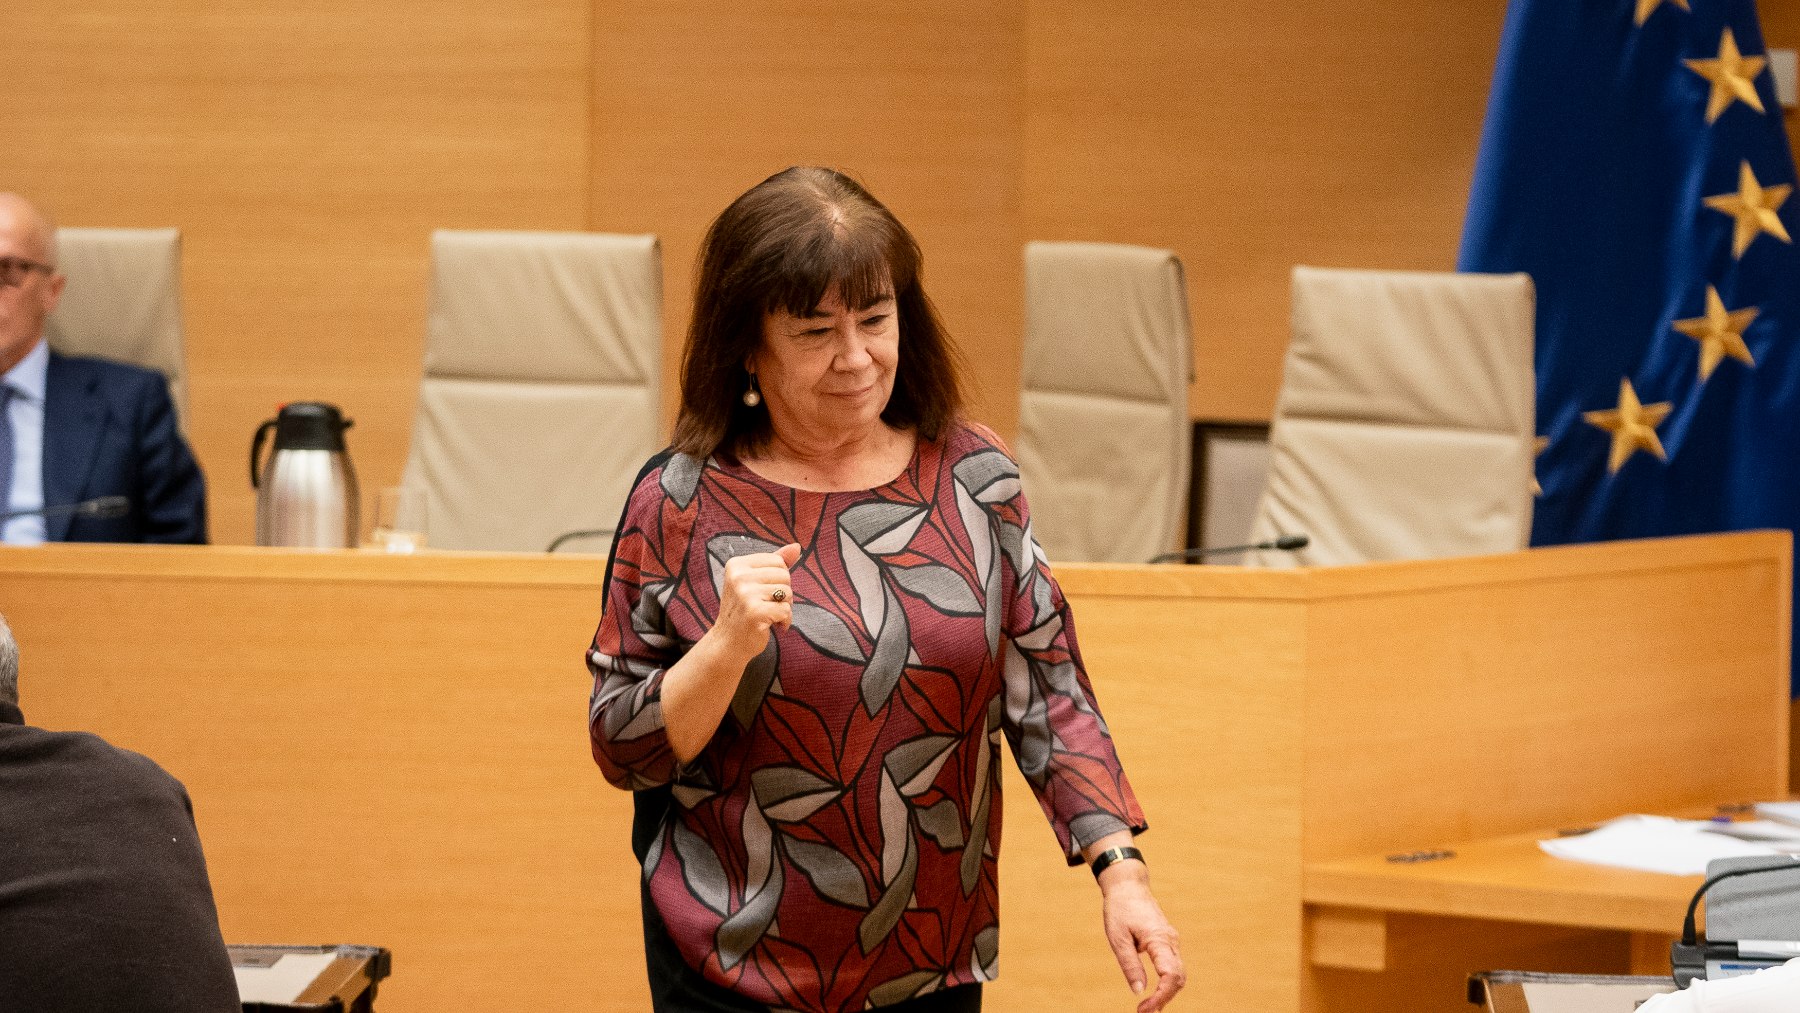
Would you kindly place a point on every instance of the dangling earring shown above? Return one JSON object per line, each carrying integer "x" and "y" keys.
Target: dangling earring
{"x": 752, "y": 396}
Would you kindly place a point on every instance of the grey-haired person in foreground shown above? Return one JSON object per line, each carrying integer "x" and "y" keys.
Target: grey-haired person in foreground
{"x": 104, "y": 898}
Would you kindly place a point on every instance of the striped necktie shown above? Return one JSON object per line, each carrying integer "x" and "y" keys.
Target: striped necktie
{"x": 6, "y": 449}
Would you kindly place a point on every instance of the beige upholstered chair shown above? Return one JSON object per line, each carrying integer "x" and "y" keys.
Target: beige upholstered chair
{"x": 123, "y": 301}
{"x": 1105, "y": 444}
{"x": 539, "y": 401}
{"x": 1404, "y": 425}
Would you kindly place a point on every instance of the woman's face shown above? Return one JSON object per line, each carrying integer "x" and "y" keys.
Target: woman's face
{"x": 828, "y": 374}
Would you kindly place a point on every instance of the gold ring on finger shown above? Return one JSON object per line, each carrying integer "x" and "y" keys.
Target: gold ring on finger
{"x": 779, "y": 595}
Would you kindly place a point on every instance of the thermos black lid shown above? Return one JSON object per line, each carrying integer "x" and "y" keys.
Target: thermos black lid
{"x": 310, "y": 425}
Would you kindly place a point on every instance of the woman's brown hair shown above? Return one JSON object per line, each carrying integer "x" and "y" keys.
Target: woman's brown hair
{"x": 783, "y": 245}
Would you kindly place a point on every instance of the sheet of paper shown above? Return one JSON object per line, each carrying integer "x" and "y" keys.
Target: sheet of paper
{"x": 282, "y": 981}
{"x": 1781, "y": 812}
{"x": 1558, "y": 997}
{"x": 1782, "y": 836}
{"x": 1654, "y": 844}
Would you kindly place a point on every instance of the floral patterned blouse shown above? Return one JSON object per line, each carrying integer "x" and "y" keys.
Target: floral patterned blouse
{"x": 833, "y": 846}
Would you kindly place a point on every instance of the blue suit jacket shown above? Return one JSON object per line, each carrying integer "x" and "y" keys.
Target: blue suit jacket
{"x": 109, "y": 430}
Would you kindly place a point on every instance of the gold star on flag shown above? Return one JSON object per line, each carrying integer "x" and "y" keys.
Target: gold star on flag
{"x": 1632, "y": 425}
{"x": 1733, "y": 77}
{"x": 1720, "y": 333}
{"x": 1754, "y": 207}
{"x": 1537, "y": 449}
{"x": 1645, "y": 8}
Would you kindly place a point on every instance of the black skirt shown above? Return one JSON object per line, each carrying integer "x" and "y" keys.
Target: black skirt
{"x": 677, "y": 988}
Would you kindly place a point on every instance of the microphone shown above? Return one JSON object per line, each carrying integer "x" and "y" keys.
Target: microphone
{"x": 566, "y": 536}
{"x": 100, "y": 508}
{"x": 1285, "y": 543}
{"x": 1689, "y": 956}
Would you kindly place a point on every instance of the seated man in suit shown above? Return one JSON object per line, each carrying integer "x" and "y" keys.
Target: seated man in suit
{"x": 104, "y": 899}
{"x": 75, "y": 429}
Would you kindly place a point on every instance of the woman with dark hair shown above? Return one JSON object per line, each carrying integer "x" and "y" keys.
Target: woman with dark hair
{"x": 823, "y": 610}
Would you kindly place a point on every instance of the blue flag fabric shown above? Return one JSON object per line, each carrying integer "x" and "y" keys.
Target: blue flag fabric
{"x": 1635, "y": 164}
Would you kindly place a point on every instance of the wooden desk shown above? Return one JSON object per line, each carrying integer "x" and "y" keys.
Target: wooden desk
{"x": 1351, "y": 902}
{"x": 391, "y": 750}
{"x": 1273, "y": 721}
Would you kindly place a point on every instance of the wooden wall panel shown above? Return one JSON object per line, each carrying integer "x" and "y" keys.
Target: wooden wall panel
{"x": 306, "y": 153}
{"x": 1249, "y": 138}
{"x": 1781, "y": 30}
{"x": 363, "y": 768}
{"x": 696, "y": 103}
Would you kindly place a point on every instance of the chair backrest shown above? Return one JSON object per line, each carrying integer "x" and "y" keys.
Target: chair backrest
{"x": 1105, "y": 442}
{"x": 123, "y": 301}
{"x": 539, "y": 401}
{"x": 1404, "y": 425}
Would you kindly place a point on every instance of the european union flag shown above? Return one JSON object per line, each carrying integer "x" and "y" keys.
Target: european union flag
{"x": 1634, "y": 163}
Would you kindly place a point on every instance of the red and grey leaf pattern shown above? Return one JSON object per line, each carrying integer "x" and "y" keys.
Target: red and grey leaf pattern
{"x": 830, "y": 873}
{"x": 833, "y": 848}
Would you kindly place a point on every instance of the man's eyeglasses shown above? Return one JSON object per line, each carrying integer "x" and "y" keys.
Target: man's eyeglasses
{"x": 13, "y": 270}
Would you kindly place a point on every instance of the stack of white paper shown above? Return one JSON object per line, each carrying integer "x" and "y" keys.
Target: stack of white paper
{"x": 1780, "y": 836}
{"x": 1780, "y": 812}
{"x": 281, "y": 982}
{"x": 1655, "y": 844}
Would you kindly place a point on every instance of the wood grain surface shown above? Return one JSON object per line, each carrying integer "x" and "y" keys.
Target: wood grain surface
{"x": 307, "y": 154}
{"x": 390, "y": 750}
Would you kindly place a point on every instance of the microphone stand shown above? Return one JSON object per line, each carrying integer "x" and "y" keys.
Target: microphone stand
{"x": 571, "y": 535}
{"x": 103, "y": 507}
{"x": 1285, "y": 543}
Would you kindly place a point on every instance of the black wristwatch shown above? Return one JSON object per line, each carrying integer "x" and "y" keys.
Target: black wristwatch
{"x": 1111, "y": 855}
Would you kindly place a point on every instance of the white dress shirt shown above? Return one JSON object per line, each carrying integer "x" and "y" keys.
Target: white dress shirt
{"x": 1772, "y": 990}
{"x": 25, "y": 410}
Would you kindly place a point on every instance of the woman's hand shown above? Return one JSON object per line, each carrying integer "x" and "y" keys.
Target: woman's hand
{"x": 1135, "y": 924}
{"x": 699, "y": 687}
{"x": 756, "y": 594}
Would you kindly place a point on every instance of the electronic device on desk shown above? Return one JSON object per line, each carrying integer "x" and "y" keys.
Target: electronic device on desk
{"x": 1752, "y": 919}
{"x": 324, "y": 979}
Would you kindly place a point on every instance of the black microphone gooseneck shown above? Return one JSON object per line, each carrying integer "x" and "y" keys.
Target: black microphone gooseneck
{"x": 557, "y": 542}
{"x": 101, "y": 507}
{"x": 1285, "y": 543}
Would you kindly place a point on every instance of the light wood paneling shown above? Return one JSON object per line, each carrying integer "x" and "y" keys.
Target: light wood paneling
{"x": 380, "y": 749}
{"x": 1408, "y": 765}
{"x": 305, "y": 153}
{"x": 389, "y": 749}
{"x": 1249, "y": 138}
{"x": 696, "y": 103}
{"x": 1208, "y": 723}
{"x": 1552, "y": 688}
{"x": 1781, "y": 30}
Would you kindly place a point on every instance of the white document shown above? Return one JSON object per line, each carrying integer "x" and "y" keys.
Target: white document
{"x": 1654, "y": 844}
{"x": 1781, "y": 836}
{"x": 283, "y": 981}
{"x": 1780, "y": 812}
{"x": 1582, "y": 997}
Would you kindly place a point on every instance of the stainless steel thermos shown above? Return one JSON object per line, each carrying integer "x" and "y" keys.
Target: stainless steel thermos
{"x": 306, "y": 492}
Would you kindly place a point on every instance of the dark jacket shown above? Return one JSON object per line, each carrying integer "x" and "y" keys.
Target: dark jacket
{"x": 109, "y": 430}
{"x": 104, "y": 899}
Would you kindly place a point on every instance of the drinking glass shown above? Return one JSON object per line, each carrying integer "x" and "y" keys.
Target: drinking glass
{"x": 399, "y": 520}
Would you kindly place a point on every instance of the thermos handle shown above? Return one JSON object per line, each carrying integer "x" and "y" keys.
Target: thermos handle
{"x": 256, "y": 442}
